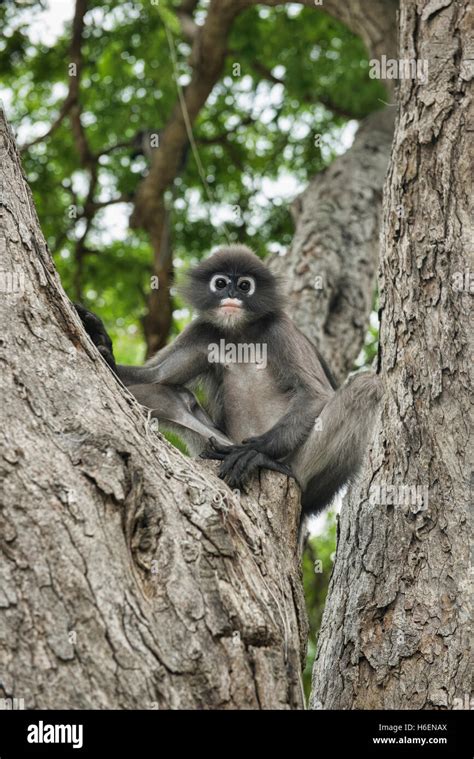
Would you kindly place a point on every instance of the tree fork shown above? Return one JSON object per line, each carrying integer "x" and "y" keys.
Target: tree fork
{"x": 132, "y": 577}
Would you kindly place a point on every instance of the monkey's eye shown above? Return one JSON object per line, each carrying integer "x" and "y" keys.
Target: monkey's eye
{"x": 219, "y": 282}
{"x": 246, "y": 285}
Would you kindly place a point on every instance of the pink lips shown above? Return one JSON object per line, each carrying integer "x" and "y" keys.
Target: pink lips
{"x": 230, "y": 304}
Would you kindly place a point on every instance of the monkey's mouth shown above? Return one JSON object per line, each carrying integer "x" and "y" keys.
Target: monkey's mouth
{"x": 230, "y": 306}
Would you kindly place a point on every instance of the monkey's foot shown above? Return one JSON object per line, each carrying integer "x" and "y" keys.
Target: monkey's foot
{"x": 240, "y": 462}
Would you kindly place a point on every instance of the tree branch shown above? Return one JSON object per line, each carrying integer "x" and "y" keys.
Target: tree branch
{"x": 156, "y": 586}
{"x": 75, "y": 58}
{"x": 208, "y": 57}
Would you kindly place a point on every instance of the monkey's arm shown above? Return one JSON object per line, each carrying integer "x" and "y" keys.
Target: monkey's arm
{"x": 182, "y": 361}
{"x": 171, "y": 403}
{"x": 98, "y": 334}
{"x": 178, "y": 363}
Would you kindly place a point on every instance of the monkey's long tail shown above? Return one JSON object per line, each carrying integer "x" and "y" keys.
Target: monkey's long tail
{"x": 335, "y": 448}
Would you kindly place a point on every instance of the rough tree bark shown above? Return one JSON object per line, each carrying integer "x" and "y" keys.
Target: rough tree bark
{"x": 395, "y": 632}
{"x": 330, "y": 269}
{"x": 131, "y": 577}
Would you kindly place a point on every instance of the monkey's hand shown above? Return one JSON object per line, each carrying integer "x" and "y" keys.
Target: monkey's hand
{"x": 240, "y": 462}
{"x": 98, "y": 334}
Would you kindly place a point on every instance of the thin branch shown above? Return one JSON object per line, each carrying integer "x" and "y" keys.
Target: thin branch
{"x": 98, "y": 204}
{"x": 86, "y": 156}
{"x": 75, "y": 68}
{"x": 116, "y": 146}
{"x": 266, "y": 73}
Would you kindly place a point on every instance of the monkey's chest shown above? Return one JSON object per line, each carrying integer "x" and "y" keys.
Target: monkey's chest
{"x": 253, "y": 402}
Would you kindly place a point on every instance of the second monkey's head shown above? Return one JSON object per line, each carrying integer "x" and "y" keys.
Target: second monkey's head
{"x": 232, "y": 288}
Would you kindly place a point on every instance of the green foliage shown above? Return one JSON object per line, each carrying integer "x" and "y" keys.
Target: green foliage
{"x": 256, "y": 137}
{"x": 318, "y": 560}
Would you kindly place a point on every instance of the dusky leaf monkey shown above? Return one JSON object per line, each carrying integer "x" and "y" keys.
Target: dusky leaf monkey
{"x": 283, "y": 413}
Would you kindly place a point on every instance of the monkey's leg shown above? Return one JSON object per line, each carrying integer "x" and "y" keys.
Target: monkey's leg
{"x": 335, "y": 447}
{"x": 178, "y": 408}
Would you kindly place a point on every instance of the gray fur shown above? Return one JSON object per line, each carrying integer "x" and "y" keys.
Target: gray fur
{"x": 258, "y": 415}
{"x": 334, "y": 449}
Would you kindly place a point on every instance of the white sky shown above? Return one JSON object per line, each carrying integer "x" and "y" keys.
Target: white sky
{"x": 48, "y": 24}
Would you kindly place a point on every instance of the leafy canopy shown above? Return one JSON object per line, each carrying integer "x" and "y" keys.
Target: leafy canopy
{"x": 293, "y": 79}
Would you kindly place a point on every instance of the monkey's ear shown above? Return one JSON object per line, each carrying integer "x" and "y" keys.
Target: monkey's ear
{"x": 97, "y": 333}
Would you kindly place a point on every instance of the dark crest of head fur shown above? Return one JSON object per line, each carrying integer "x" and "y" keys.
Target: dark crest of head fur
{"x": 236, "y": 261}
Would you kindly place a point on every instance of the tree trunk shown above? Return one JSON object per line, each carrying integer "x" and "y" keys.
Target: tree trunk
{"x": 131, "y": 576}
{"x": 332, "y": 263}
{"x": 395, "y": 629}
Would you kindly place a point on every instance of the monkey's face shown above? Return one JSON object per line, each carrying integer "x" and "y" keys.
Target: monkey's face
{"x": 228, "y": 298}
{"x": 232, "y": 288}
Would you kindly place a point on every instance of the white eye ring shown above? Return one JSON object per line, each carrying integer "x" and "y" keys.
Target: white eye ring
{"x": 251, "y": 282}
{"x": 213, "y": 285}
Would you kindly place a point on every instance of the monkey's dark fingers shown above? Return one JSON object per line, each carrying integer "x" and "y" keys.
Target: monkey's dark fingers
{"x": 265, "y": 462}
{"x": 239, "y": 467}
{"x": 214, "y": 450}
{"x": 235, "y": 467}
{"x": 209, "y": 453}
{"x": 108, "y": 356}
{"x": 221, "y": 447}
{"x": 246, "y": 467}
{"x": 238, "y": 475}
